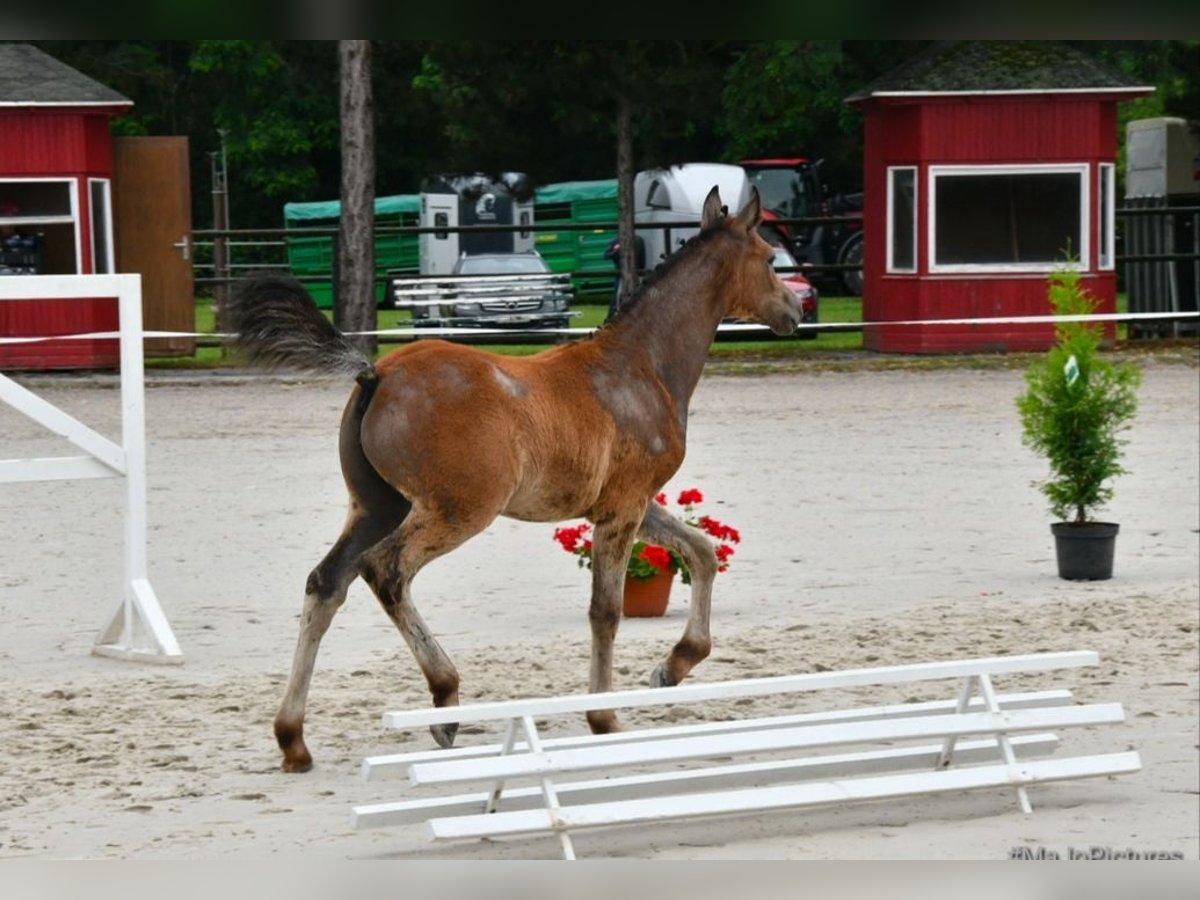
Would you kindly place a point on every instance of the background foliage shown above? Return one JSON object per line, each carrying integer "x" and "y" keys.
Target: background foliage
{"x": 542, "y": 107}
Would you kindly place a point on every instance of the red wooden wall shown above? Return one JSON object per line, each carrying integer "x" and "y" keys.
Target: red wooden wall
{"x": 76, "y": 144}
{"x": 54, "y": 143}
{"x": 925, "y": 131}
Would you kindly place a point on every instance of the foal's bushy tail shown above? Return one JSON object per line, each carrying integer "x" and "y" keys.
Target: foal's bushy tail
{"x": 279, "y": 325}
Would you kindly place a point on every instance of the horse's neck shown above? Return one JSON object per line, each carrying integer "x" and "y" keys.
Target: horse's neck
{"x": 669, "y": 331}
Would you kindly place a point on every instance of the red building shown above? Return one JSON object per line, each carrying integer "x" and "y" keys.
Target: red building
{"x": 56, "y": 171}
{"x": 985, "y": 163}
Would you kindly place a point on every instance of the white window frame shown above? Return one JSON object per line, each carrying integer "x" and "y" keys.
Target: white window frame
{"x": 1106, "y": 190}
{"x": 1082, "y": 251}
{"x": 36, "y": 219}
{"x": 110, "y": 258}
{"x": 892, "y": 268}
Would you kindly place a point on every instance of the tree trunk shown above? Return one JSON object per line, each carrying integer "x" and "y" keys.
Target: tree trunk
{"x": 354, "y": 303}
{"x": 625, "y": 174}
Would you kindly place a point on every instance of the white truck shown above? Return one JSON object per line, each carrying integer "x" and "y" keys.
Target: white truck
{"x": 676, "y": 194}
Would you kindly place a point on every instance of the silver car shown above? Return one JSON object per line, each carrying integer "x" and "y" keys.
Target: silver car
{"x": 515, "y": 290}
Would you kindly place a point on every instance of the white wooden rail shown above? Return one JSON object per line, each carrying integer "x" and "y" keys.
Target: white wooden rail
{"x": 978, "y": 739}
{"x": 137, "y": 628}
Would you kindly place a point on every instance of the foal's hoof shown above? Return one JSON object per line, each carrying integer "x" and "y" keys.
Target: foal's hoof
{"x": 660, "y": 678}
{"x": 296, "y": 765}
{"x": 296, "y": 757}
{"x": 444, "y": 734}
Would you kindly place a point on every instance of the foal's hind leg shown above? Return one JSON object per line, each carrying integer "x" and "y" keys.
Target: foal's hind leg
{"x": 324, "y": 594}
{"x": 660, "y": 527}
{"x": 389, "y": 568}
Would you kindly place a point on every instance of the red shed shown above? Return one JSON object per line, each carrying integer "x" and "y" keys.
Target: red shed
{"x": 56, "y": 170}
{"x": 985, "y": 162}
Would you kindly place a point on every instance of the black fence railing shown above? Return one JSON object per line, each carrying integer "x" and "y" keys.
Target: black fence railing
{"x": 1157, "y": 253}
{"x": 267, "y": 248}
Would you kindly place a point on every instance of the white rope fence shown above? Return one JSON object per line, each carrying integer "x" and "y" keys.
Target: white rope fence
{"x": 724, "y": 328}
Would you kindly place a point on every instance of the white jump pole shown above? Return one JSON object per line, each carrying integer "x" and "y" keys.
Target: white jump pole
{"x": 137, "y": 629}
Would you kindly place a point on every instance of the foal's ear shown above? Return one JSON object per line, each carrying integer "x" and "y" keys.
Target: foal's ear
{"x": 751, "y": 215}
{"x": 713, "y": 211}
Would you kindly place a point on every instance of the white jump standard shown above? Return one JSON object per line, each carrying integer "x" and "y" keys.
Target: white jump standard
{"x": 137, "y": 628}
{"x": 980, "y": 739}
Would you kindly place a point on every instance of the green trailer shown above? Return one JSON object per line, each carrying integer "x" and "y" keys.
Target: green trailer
{"x": 310, "y": 257}
{"x": 581, "y": 252}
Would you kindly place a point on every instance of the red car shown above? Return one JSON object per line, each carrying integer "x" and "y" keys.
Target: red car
{"x": 801, "y": 287}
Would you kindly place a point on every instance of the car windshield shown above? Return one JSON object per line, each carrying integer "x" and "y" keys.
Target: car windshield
{"x": 783, "y": 259}
{"x": 517, "y": 264}
{"x": 782, "y": 191}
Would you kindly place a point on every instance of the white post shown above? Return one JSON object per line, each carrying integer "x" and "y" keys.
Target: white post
{"x": 1010, "y": 759}
{"x": 138, "y": 605}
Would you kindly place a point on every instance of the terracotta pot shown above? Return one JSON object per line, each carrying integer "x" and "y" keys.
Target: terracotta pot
{"x": 647, "y": 596}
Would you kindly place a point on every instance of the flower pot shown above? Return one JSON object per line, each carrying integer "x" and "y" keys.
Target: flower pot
{"x": 646, "y": 597}
{"x": 1085, "y": 550}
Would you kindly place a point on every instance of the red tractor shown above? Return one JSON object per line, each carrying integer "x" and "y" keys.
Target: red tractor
{"x": 792, "y": 189}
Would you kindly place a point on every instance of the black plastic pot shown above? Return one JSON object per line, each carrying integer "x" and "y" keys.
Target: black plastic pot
{"x": 1085, "y": 550}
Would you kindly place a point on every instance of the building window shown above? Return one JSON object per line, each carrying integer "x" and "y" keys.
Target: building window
{"x": 39, "y": 225}
{"x": 101, "y": 227}
{"x": 1007, "y": 218}
{"x": 902, "y": 219}
{"x": 1108, "y": 227}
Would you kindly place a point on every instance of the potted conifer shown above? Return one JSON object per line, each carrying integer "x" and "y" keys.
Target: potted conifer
{"x": 1073, "y": 412}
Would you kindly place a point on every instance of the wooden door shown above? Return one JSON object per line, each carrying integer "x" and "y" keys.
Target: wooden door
{"x": 152, "y": 224}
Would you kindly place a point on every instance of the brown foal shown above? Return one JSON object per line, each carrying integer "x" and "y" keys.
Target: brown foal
{"x": 439, "y": 439}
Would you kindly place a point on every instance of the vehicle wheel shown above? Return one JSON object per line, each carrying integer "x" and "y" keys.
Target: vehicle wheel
{"x": 852, "y": 255}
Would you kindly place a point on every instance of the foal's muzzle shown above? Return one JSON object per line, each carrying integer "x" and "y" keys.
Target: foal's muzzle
{"x": 788, "y": 315}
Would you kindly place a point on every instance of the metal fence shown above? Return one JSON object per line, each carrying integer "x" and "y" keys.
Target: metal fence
{"x": 1161, "y": 263}
{"x": 1158, "y": 256}
{"x": 222, "y": 256}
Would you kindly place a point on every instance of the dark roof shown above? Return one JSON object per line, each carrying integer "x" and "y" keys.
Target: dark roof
{"x": 29, "y": 77}
{"x": 954, "y": 67}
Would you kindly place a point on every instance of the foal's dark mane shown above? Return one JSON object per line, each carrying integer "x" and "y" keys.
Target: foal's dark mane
{"x": 663, "y": 269}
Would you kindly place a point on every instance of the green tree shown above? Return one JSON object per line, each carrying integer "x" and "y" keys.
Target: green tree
{"x": 612, "y": 107}
{"x": 356, "y": 307}
{"x": 277, "y": 105}
{"x": 786, "y": 98}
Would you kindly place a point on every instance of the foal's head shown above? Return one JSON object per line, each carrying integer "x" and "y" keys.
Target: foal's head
{"x": 752, "y": 289}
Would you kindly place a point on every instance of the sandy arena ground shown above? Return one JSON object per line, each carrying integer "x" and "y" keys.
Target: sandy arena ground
{"x": 887, "y": 518}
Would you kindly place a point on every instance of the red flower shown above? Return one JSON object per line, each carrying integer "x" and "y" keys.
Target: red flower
{"x": 656, "y": 556}
{"x": 569, "y": 537}
{"x": 645, "y": 560}
{"x": 719, "y": 530}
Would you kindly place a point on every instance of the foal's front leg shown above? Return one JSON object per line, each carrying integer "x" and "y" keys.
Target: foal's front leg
{"x": 660, "y": 527}
{"x": 612, "y": 542}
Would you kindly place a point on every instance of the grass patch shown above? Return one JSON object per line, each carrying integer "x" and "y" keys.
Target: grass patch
{"x": 210, "y": 354}
{"x": 830, "y": 350}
